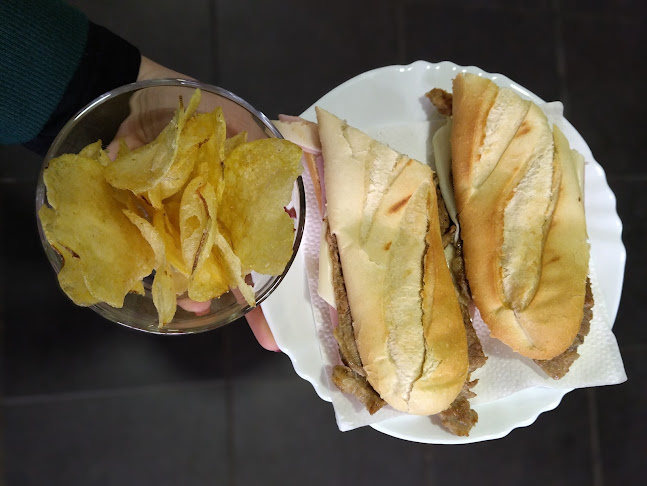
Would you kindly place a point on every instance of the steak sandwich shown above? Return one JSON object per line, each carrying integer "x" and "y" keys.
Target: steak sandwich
{"x": 402, "y": 320}
{"x": 520, "y": 201}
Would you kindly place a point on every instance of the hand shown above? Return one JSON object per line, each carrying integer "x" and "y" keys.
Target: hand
{"x": 137, "y": 131}
{"x": 260, "y": 328}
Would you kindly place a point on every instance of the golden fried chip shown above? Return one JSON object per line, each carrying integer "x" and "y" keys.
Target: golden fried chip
{"x": 232, "y": 142}
{"x": 123, "y": 148}
{"x": 258, "y": 181}
{"x": 164, "y": 296}
{"x": 142, "y": 169}
{"x": 198, "y": 130}
{"x": 213, "y": 150}
{"x": 136, "y": 204}
{"x": 163, "y": 290}
{"x": 70, "y": 277}
{"x": 228, "y": 263}
{"x": 86, "y": 219}
{"x": 138, "y": 288}
{"x": 171, "y": 238}
{"x": 91, "y": 151}
{"x": 237, "y": 280}
{"x": 209, "y": 278}
{"x": 180, "y": 282}
{"x": 95, "y": 151}
{"x": 193, "y": 220}
{"x": 172, "y": 209}
{"x": 154, "y": 196}
{"x": 210, "y": 152}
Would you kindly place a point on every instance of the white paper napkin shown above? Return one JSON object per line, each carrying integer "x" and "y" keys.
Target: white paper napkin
{"x": 505, "y": 372}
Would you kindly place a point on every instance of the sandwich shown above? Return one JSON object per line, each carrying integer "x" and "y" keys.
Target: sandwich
{"x": 519, "y": 192}
{"x": 401, "y": 315}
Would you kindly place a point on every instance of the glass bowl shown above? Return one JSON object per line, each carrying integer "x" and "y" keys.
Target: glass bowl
{"x": 157, "y": 101}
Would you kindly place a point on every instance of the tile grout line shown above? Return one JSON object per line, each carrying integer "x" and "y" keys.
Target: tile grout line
{"x": 596, "y": 452}
{"x": 40, "y": 398}
{"x": 606, "y": 17}
{"x": 487, "y": 7}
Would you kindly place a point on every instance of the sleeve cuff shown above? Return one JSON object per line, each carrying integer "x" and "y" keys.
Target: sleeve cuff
{"x": 107, "y": 62}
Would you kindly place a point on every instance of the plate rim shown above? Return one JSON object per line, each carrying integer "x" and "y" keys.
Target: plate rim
{"x": 554, "y": 395}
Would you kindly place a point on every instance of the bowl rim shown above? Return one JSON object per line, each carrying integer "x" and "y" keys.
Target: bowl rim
{"x": 172, "y": 82}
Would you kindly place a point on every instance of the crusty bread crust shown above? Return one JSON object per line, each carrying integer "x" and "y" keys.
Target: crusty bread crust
{"x": 523, "y": 228}
{"x": 444, "y": 372}
{"x": 476, "y": 95}
{"x": 382, "y": 209}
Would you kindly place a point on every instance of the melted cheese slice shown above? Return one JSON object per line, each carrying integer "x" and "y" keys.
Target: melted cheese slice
{"x": 325, "y": 287}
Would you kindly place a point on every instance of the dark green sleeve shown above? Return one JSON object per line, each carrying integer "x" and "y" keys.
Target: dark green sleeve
{"x": 41, "y": 44}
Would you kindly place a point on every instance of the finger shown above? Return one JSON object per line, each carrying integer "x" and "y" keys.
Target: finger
{"x": 129, "y": 133}
{"x": 261, "y": 329}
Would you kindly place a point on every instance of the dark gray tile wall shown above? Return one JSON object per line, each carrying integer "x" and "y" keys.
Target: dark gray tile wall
{"x": 162, "y": 436}
{"x": 88, "y": 402}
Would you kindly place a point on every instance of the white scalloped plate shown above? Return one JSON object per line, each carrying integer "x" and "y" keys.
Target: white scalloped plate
{"x": 391, "y": 96}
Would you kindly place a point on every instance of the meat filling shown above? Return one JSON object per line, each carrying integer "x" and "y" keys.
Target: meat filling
{"x": 459, "y": 418}
{"x": 350, "y": 382}
{"x": 442, "y": 100}
{"x": 344, "y": 333}
{"x": 349, "y": 378}
{"x": 558, "y": 366}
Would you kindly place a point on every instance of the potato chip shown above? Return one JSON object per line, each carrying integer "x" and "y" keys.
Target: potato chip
{"x": 198, "y": 130}
{"x": 232, "y": 142}
{"x": 226, "y": 255}
{"x": 258, "y": 181}
{"x": 142, "y": 169}
{"x": 213, "y": 150}
{"x": 95, "y": 151}
{"x": 136, "y": 204}
{"x": 228, "y": 263}
{"x": 86, "y": 219}
{"x": 193, "y": 219}
{"x": 172, "y": 243}
{"x": 209, "y": 278}
{"x": 70, "y": 278}
{"x": 92, "y": 150}
{"x": 163, "y": 290}
{"x": 138, "y": 288}
{"x": 172, "y": 209}
{"x": 210, "y": 152}
{"x": 164, "y": 296}
{"x": 180, "y": 282}
{"x": 154, "y": 197}
{"x": 123, "y": 148}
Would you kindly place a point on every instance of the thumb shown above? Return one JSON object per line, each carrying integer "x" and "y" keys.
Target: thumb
{"x": 261, "y": 329}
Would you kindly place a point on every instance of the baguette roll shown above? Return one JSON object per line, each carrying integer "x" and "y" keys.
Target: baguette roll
{"x": 382, "y": 210}
{"x": 521, "y": 212}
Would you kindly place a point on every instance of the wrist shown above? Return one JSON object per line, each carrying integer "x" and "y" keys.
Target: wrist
{"x": 151, "y": 70}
